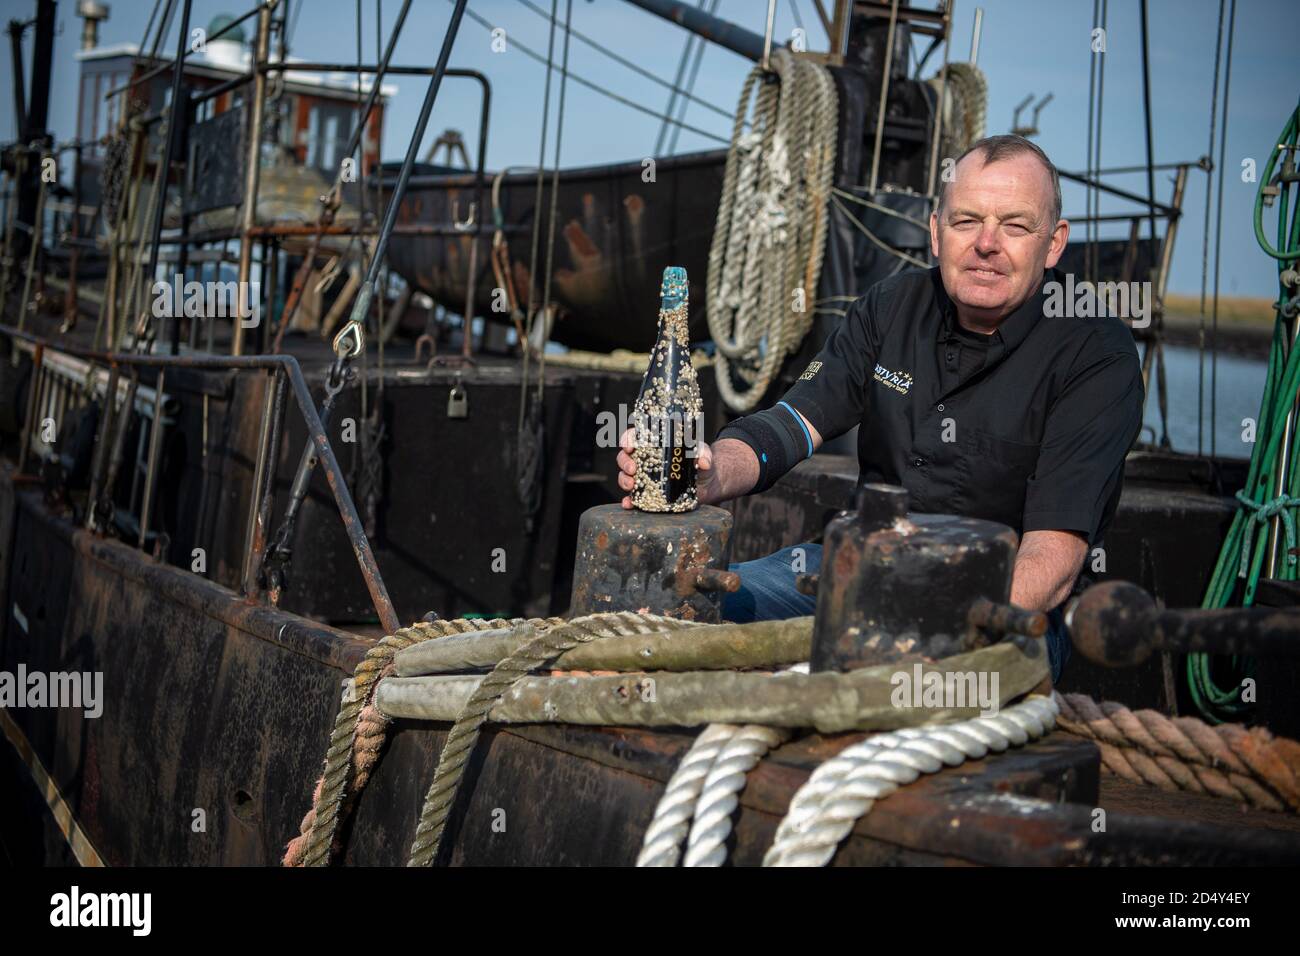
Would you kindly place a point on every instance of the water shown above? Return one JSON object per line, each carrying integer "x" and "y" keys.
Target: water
{"x": 1240, "y": 388}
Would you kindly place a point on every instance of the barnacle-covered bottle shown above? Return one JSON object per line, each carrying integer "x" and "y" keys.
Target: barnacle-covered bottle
{"x": 668, "y": 408}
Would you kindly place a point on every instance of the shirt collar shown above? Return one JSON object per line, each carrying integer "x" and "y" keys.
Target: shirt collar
{"x": 1012, "y": 330}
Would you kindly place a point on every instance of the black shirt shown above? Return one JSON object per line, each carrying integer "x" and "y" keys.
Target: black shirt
{"x": 1029, "y": 427}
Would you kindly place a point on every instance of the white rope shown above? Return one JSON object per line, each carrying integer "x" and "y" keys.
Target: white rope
{"x": 772, "y": 220}
{"x": 672, "y": 819}
{"x": 720, "y": 794}
{"x": 844, "y": 788}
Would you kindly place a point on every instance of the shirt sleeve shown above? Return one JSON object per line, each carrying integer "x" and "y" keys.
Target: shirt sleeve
{"x": 1089, "y": 430}
{"x": 830, "y": 391}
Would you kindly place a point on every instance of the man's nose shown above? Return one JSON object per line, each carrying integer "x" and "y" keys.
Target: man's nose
{"x": 987, "y": 241}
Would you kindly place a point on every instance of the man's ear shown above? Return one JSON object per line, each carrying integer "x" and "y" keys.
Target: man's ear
{"x": 1060, "y": 236}
{"x": 934, "y": 235}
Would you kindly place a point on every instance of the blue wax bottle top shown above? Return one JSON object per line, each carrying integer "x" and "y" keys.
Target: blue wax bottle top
{"x": 675, "y": 289}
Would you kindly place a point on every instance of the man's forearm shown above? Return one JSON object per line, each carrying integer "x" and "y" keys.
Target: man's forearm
{"x": 735, "y": 471}
{"x": 1047, "y": 565}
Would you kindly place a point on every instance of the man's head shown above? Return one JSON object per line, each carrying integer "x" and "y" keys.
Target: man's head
{"x": 998, "y": 225}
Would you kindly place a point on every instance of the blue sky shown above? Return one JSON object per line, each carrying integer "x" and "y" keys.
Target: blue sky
{"x": 1027, "y": 46}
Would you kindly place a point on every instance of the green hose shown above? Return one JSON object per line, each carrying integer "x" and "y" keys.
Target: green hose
{"x": 1215, "y": 683}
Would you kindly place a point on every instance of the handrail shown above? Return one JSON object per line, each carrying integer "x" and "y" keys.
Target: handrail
{"x": 288, "y": 366}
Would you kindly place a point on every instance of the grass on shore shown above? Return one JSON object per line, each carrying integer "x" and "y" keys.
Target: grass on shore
{"x": 1247, "y": 310}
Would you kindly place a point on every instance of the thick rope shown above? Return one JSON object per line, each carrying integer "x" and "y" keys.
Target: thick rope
{"x": 1184, "y": 753}
{"x": 844, "y": 788}
{"x": 536, "y": 653}
{"x": 358, "y": 736}
{"x": 720, "y": 794}
{"x": 769, "y": 240}
{"x": 672, "y": 817}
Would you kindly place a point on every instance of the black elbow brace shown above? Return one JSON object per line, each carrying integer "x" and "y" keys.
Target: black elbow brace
{"x": 778, "y": 437}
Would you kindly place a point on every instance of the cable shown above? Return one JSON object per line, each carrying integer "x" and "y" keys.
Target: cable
{"x": 623, "y": 61}
{"x": 603, "y": 92}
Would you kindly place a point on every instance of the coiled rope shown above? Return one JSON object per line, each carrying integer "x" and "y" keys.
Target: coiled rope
{"x": 673, "y": 814}
{"x": 705, "y": 789}
{"x": 965, "y": 108}
{"x": 358, "y": 736}
{"x": 720, "y": 795}
{"x": 541, "y": 650}
{"x": 770, "y": 235}
{"x": 844, "y": 788}
{"x": 1183, "y": 753}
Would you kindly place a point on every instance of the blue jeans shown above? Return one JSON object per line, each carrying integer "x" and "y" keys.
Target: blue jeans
{"x": 767, "y": 593}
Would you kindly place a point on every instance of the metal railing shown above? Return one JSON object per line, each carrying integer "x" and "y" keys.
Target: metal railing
{"x": 283, "y": 370}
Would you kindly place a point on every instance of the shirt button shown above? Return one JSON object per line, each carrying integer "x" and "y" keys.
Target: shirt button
{"x": 939, "y": 407}
{"x": 918, "y": 462}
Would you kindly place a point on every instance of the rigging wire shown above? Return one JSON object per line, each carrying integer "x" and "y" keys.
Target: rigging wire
{"x": 531, "y": 314}
{"x": 555, "y": 191}
{"x": 690, "y": 82}
{"x": 632, "y": 104}
{"x": 1205, "y": 243}
{"x": 642, "y": 71}
{"x": 671, "y": 108}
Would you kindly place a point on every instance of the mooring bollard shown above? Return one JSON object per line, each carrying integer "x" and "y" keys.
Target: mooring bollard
{"x": 672, "y": 564}
{"x": 899, "y": 588}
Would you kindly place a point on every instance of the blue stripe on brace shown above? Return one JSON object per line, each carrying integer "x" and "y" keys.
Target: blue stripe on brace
{"x": 802, "y": 426}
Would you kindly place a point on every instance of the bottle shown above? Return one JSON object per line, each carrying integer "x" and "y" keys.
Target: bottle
{"x": 668, "y": 409}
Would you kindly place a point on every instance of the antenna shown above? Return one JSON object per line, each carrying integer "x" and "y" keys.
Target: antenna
{"x": 1032, "y": 128}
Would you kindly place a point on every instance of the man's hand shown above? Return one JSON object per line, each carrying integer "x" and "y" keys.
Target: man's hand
{"x": 1047, "y": 565}
{"x": 709, "y": 487}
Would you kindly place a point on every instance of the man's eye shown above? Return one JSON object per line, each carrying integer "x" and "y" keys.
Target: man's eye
{"x": 1017, "y": 228}
{"x": 964, "y": 222}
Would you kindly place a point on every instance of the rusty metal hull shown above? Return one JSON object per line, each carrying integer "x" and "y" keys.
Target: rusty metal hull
{"x": 215, "y": 713}
{"x": 615, "y": 231}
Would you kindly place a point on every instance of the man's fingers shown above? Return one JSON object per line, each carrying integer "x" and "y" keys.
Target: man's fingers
{"x": 627, "y": 441}
{"x": 704, "y": 461}
{"x": 626, "y": 463}
{"x": 627, "y": 503}
{"x": 626, "y": 482}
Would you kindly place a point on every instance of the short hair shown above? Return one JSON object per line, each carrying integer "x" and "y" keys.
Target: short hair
{"x": 1006, "y": 146}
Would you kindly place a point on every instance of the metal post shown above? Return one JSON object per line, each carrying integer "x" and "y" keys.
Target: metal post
{"x": 174, "y": 114}
{"x": 103, "y": 437}
{"x": 259, "y": 498}
{"x": 33, "y": 397}
{"x": 767, "y": 34}
{"x": 251, "y": 173}
{"x": 884, "y": 97}
{"x": 943, "y": 93}
{"x": 155, "y": 448}
{"x": 975, "y": 36}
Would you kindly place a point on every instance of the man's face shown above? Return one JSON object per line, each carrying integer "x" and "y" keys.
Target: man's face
{"x": 995, "y": 235}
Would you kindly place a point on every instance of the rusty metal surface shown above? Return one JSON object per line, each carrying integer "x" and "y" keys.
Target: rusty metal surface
{"x": 1117, "y": 624}
{"x": 215, "y": 167}
{"x": 631, "y": 560}
{"x": 209, "y": 703}
{"x": 306, "y": 406}
{"x": 615, "y": 231}
{"x": 251, "y": 693}
{"x": 901, "y": 589}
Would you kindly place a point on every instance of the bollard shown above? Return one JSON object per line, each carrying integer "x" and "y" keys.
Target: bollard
{"x": 671, "y": 564}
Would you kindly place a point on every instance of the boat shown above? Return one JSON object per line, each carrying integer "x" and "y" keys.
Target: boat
{"x": 260, "y": 544}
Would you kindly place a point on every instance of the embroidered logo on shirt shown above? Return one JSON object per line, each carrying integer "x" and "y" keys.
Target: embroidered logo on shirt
{"x": 808, "y": 373}
{"x": 898, "y": 381}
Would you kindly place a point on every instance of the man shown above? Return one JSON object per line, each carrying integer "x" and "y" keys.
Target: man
{"x": 967, "y": 391}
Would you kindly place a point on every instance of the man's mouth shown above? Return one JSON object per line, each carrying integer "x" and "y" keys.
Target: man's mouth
{"x": 985, "y": 273}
